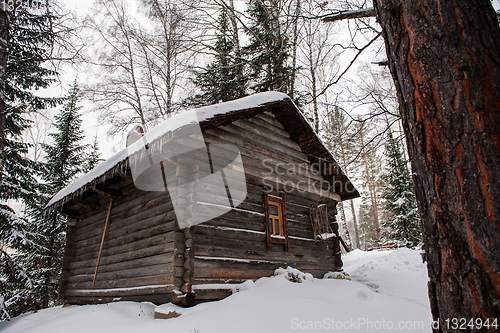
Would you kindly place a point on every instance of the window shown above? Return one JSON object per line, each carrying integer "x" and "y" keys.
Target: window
{"x": 275, "y": 220}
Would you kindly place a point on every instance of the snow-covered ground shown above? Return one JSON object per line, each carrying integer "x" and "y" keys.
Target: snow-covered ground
{"x": 388, "y": 292}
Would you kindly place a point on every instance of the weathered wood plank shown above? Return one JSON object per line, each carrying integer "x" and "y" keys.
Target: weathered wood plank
{"x": 278, "y": 130}
{"x": 156, "y": 299}
{"x": 265, "y": 132}
{"x": 136, "y": 291}
{"x": 161, "y": 269}
{"x": 258, "y": 145}
{"x": 277, "y": 255}
{"x": 270, "y": 118}
{"x": 149, "y": 251}
{"x": 123, "y": 283}
{"x": 116, "y": 233}
{"x": 212, "y": 294}
{"x": 129, "y": 264}
{"x": 122, "y": 220}
{"x": 127, "y": 245}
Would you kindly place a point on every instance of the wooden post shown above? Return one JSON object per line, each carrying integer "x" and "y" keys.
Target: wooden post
{"x": 285, "y": 222}
{"x": 266, "y": 222}
{"x": 102, "y": 241}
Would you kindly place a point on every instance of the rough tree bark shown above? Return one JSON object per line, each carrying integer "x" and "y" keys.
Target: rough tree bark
{"x": 4, "y": 39}
{"x": 444, "y": 57}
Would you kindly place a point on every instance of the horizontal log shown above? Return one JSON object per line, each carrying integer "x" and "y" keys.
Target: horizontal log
{"x": 201, "y": 282}
{"x": 270, "y": 118}
{"x": 299, "y": 245}
{"x": 228, "y": 273}
{"x": 119, "y": 205}
{"x": 256, "y": 185}
{"x": 156, "y": 299}
{"x": 276, "y": 253}
{"x": 161, "y": 269}
{"x": 123, "y": 283}
{"x": 230, "y": 233}
{"x": 248, "y": 264}
{"x": 117, "y": 222}
{"x": 128, "y": 246}
{"x": 254, "y": 155}
{"x": 265, "y": 132}
{"x": 166, "y": 249}
{"x": 155, "y": 227}
{"x": 212, "y": 294}
{"x": 205, "y": 211}
{"x": 130, "y": 232}
{"x": 256, "y": 144}
{"x": 160, "y": 259}
{"x": 134, "y": 291}
{"x": 272, "y": 127}
{"x": 229, "y": 221}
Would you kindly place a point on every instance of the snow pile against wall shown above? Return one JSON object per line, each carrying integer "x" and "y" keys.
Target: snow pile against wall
{"x": 293, "y": 275}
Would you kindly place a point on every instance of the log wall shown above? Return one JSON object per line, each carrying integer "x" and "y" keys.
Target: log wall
{"x": 138, "y": 251}
{"x": 232, "y": 248}
{"x": 146, "y": 256}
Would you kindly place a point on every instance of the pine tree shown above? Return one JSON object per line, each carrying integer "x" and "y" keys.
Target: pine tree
{"x": 64, "y": 160}
{"x": 269, "y": 49}
{"x": 224, "y": 79}
{"x": 29, "y": 44}
{"x": 403, "y": 223}
{"x": 339, "y": 138}
{"x": 371, "y": 214}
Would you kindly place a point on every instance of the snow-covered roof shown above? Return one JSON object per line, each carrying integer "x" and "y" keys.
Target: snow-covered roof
{"x": 215, "y": 115}
{"x": 199, "y": 115}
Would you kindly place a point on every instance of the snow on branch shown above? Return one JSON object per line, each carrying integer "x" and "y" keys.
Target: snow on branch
{"x": 352, "y": 14}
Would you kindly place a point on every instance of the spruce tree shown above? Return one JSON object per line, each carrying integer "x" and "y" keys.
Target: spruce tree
{"x": 269, "y": 49}
{"x": 64, "y": 160}
{"x": 367, "y": 233}
{"x": 371, "y": 214}
{"x": 403, "y": 222}
{"x": 224, "y": 79}
{"x": 30, "y": 40}
{"x": 93, "y": 158}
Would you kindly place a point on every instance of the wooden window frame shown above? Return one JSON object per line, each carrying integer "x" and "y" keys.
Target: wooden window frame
{"x": 282, "y": 237}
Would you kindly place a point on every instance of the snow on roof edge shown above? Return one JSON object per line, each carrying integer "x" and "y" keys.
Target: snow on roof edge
{"x": 202, "y": 114}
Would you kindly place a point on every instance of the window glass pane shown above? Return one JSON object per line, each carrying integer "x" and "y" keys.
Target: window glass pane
{"x": 271, "y": 226}
{"x": 273, "y": 210}
{"x": 277, "y": 226}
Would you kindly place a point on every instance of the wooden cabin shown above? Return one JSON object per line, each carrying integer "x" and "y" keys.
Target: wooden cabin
{"x": 125, "y": 243}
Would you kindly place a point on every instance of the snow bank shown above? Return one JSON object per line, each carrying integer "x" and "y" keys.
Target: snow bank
{"x": 387, "y": 288}
{"x": 293, "y": 275}
{"x": 399, "y": 273}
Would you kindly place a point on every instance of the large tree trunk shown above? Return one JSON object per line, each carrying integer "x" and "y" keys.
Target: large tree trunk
{"x": 4, "y": 39}
{"x": 444, "y": 57}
